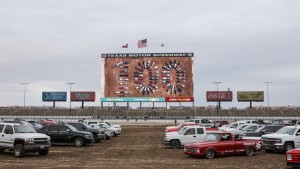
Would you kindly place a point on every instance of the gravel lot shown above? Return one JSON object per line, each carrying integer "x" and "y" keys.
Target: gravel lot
{"x": 139, "y": 146}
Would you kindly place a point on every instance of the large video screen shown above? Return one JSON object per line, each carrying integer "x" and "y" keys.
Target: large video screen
{"x": 147, "y": 75}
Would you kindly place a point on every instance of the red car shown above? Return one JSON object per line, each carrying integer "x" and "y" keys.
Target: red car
{"x": 293, "y": 158}
{"x": 221, "y": 144}
{"x": 47, "y": 121}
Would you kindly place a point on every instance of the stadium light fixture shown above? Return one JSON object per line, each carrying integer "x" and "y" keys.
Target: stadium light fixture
{"x": 218, "y": 102}
{"x": 25, "y": 84}
{"x": 268, "y": 95}
{"x": 70, "y": 83}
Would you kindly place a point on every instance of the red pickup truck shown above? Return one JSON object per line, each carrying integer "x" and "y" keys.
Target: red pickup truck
{"x": 293, "y": 157}
{"x": 221, "y": 144}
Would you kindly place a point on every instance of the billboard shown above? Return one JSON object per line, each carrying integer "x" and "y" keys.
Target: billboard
{"x": 219, "y": 96}
{"x": 147, "y": 75}
{"x": 132, "y": 99}
{"x": 54, "y": 96}
{"x": 250, "y": 96}
{"x": 82, "y": 96}
{"x": 179, "y": 99}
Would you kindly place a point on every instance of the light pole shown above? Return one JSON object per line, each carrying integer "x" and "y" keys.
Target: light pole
{"x": 70, "y": 83}
{"x": 218, "y": 103}
{"x": 25, "y": 84}
{"x": 268, "y": 95}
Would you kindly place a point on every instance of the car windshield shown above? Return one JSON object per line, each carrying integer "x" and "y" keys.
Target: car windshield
{"x": 286, "y": 130}
{"x": 212, "y": 137}
{"x": 183, "y": 128}
{"x": 72, "y": 128}
{"x": 24, "y": 129}
{"x": 242, "y": 127}
{"x": 183, "y": 131}
{"x": 108, "y": 123}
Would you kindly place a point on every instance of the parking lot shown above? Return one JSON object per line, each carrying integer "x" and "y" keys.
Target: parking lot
{"x": 139, "y": 146}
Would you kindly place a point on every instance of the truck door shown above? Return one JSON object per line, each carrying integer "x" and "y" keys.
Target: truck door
{"x": 297, "y": 139}
{"x": 2, "y": 135}
{"x": 227, "y": 145}
{"x": 64, "y": 134}
{"x": 7, "y": 136}
{"x": 189, "y": 136}
{"x": 53, "y": 133}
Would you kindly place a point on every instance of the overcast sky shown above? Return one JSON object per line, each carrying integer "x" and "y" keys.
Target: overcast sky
{"x": 239, "y": 43}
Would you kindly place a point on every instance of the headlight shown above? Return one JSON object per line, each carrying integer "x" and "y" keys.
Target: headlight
{"x": 278, "y": 140}
{"x": 29, "y": 140}
{"x": 289, "y": 157}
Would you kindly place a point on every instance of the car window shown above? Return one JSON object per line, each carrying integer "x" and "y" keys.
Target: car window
{"x": 197, "y": 121}
{"x": 9, "y": 130}
{"x": 63, "y": 129}
{"x": 53, "y": 128}
{"x": 276, "y": 128}
{"x": 1, "y": 127}
{"x": 190, "y": 132}
{"x": 255, "y": 122}
{"x": 200, "y": 131}
{"x": 268, "y": 129}
{"x": 225, "y": 137}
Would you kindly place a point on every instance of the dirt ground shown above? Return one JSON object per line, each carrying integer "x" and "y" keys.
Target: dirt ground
{"x": 139, "y": 146}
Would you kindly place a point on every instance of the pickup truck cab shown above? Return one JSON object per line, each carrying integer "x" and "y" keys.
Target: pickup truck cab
{"x": 284, "y": 139}
{"x": 221, "y": 144}
{"x": 188, "y": 135}
{"x": 23, "y": 138}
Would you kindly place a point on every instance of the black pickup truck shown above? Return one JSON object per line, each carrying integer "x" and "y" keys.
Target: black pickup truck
{"x": 98, "y": 134}
{"x": 64, "y": 133}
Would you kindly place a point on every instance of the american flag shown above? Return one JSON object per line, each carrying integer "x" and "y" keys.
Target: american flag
{"x": 142, "y": 43}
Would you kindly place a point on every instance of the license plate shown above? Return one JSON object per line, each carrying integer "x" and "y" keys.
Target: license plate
{"x": 42, "y": 146}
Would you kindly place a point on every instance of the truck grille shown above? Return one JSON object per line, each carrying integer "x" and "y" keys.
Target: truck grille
{"x": 40, "y": 140}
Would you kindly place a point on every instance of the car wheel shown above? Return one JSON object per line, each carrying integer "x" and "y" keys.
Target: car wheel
{"x": 78, "y": 142}
{"x": 115, "y": 135}
{"x": 174, "y": 143}
{"x": 19, "y": 151}
{"x": 210, "y": 153}
{"x": 43, "y": 152}
{"x": 249, "y": 151}
{"x": 288, "y": 146}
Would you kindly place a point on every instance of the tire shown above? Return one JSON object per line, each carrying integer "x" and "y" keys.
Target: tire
{"x": 288, "y": 146}
{"x": 78, "y": 142}
{"x": 44, "y": 152}
{"x": 107, "y": 137}
{"x": 249, "y": 151}
{"x": 175, "y": 144}
{"x": 210, "y": 153}
{"x": 19, "y": 150}
{"x": 115, "y": 135}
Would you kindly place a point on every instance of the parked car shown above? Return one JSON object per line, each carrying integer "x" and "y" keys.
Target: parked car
{"x": 188, "y": 135}
{"x": 98, "y": 134}
{"x": 203, "y": 122}
{"x": 221, "y": 144}
{"x": 284, "y": 139}
{"x": 116, "y": 129}
{"x": 108, "y": 132}
{"x": 266, "y": 129}
{"x": 65, "y": 133}
{"x": 292, "y": 158}
{"x": 179, "y": 126}
{"x": 22, "y": 139}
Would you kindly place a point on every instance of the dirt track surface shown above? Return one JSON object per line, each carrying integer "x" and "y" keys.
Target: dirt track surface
{"x": 137, "y": 147}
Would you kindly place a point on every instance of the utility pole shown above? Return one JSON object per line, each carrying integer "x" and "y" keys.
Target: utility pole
{"x": 218, "y": 102}
{"x": 70, "y": 83}
{"x": 268, "y": 95}
{"x": 25, "y": 84}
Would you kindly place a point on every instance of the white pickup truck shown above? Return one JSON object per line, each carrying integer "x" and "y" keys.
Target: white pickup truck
{"x": 23, "y": 138}
{"x": 188, "y": 135}
{"x": 202, "y": 122}
{"x": 283, "y": 140}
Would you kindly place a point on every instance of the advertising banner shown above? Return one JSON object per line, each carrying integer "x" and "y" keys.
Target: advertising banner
{"x": 149, "y": 75}
{"x": 132, "y": 99}
{"x": 54, "y": 96}
{"x": 219, "y": 96}
{"x": 257, "y": 96}
{"x": 179, "y": 99}
{"x": 82, "y": 96}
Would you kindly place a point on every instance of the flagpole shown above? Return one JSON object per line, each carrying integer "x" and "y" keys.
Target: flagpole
{"x": 166, "y": 48}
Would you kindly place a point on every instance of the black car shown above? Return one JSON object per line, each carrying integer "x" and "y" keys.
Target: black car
{"x": 64, "y": 133}
{"x": 98, "y": 134}
{"x": 268, "y": 129}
